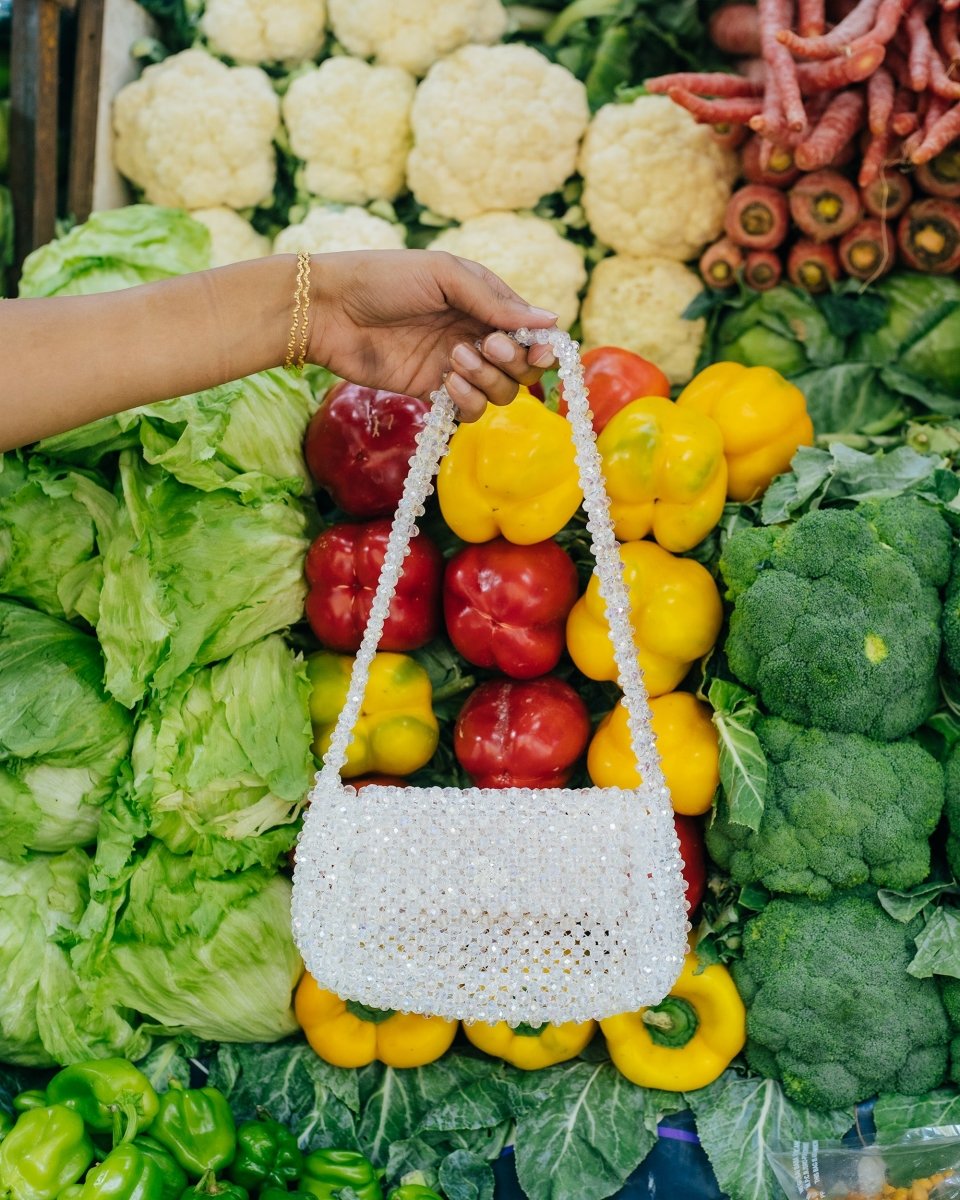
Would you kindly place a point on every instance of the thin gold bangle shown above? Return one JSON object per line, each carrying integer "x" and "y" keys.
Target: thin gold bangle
{"x": 298, "y": 326}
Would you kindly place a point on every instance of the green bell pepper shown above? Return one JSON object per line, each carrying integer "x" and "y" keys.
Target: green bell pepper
{"x": 173, "y": 1176}
{"x": 34, "y": 1098}
{"x": 105, "y": 1092}
{"x": 46, "y": 1151}
{"x": 197, "y": 1127}
{"x": 413, "y": 1191}
{"x": 281, "y": 1193}
{"x": 208, "y": 1186}
{"x": 267, "y": 1154}
{"x": 6, "y": 1124}
{"x": 325, "y": 1172}
{"x": 72, "y": 1192}
{"x": 125, "y": 1174}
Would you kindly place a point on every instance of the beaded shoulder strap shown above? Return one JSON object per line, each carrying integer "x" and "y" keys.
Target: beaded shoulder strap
{"x": 432, "y": 444}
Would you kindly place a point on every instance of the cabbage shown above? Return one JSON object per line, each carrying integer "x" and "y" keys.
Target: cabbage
{"x": 198, "y": 951}
{"x": 61, "y": 739}
{"x": 51, "y": 521}
{"x": 246, "y": 436}
{"x": 782, "y": 328}
{"x": 47, "y": 1014}
{"x": 117, "y": 249}
{"x": 223, "y": 763}
{"x": 920, "y": 334}
{"x": 189, "y": 577}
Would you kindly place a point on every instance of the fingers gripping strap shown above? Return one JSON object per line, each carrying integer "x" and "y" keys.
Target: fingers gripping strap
{"x": 432, "y": 444}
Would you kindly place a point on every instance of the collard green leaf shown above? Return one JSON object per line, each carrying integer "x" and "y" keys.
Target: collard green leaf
{"x": 738, "y": 1118}
{"x": 591, "y": 1130}
{"x": 849, "y": 398}
{"x": 938, "y": 946}
{"x": 415, "y": 1156}
{"x": 893, "y": 1116}
{"x": 904, "y": 906}
{"x": 170, "y": 1060}
{"x": 466, "y": 1176}
{"x": 927, "y": 395}
{"x": 296, "y": 1087}
{"x": 743, "y": 765}
{"x": 479, "y": 1104}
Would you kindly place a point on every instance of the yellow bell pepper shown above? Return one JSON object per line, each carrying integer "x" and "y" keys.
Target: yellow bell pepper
{"x": 531, "y": 1047}
{"x": 686, "y": 740}
{"x": 676, "y": 612}
{"x": 347, "y": 1034}
{"x": 687, "y": 1040}
{"x": 512, "y": 473}
{"x": 665, "y": 472}
{"x": 396, "y": 732}
{"x": 762, "y": 416}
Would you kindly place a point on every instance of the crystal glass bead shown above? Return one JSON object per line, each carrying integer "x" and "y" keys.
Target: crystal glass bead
{"x": 522, "y": 905}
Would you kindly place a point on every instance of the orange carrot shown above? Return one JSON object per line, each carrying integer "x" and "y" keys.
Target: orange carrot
{"x": 762, "y": 270}
{"x": 735, "y": 30}
{"x": 812, "y": 266}
{"x": 867, "y": 251}
{"x": 735, "y": 109}
{"x": 720, "y": 263}
{"x": 838, "y": 125}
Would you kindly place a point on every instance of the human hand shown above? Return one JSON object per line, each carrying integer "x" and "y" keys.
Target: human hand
{"x": 404, "y": 320}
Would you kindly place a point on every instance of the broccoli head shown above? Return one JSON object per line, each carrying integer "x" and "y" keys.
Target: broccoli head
{"x": 951, "y": 809}
{"x": 840, "y": 810}
{"x": 831, "y": 1010}
{"x": 950, "y": 995}
{"x": 836, "y": 618}
{"x": 951, "y": 616}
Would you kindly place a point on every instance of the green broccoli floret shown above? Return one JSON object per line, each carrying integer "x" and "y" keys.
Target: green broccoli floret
{"x": 951, "y": 809}
{"x": 831, "y": 1010}
{"x": 840, "y": 810}
{"x": 950, "y": 995}
{"x": 833, "y": 625}
{"x": 951, "y": 616}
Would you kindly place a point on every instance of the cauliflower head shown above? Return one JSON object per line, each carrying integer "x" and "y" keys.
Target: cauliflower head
{"x": 350, "y": 123}
{"x": 638, "y": 303}
{"x": 831, "y": 1010}
{"x": 528, "y": 254}
{"x": 494, "y": 127}
{"x": 836, "y": 618}
{"x": 232, "y": 239}
{"x": 195, "y": 133}
{"x": 326, "y": 229}
{"x": 255, "y": 31}
{"x": 654, "y": 181}
{"x": 415, "y": 33}
{"x": 840, "y": 810}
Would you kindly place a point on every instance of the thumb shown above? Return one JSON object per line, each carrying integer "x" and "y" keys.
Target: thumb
{"x": 479, "y": 293}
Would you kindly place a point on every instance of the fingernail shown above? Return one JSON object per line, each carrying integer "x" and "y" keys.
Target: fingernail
{"x": 542, "y": 312}
{"x": 466, "y": 357}
{"x": 499, "y": 348}
{"x": 542, "y": 356}
{"x": 456, "y": 385}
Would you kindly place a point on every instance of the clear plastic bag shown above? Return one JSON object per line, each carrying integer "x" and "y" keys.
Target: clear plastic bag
{"x": 924, "y": 1164}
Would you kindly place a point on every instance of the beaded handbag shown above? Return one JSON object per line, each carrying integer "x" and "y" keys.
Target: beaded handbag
{"x": 517, "y": 904}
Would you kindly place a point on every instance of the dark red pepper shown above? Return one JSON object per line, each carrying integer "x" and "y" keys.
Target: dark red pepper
{"x": 525, "y": 733}
{"x": 506, "y": 606}
{"x": 358, "y": 445}
{"x": 690, "y": 833}
{"x": 343, "y": 567}
{"x": 614, "y": 377}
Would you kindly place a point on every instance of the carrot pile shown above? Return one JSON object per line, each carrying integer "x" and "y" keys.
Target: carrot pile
{"x": 837, "y": 106}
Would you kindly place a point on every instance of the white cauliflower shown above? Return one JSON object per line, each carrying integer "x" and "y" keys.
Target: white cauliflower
{"x": 350, "y": 123}
{"x": 413, "y": 34}
{"x": 195, "y": 133}
{"x": 637, "y": 303}
{"x": 494, "y": 127}
{"x": 232, "y": 239}
{"x": 255, "y": 31}
{"x": 326, "y": 229}
{"x": 527, "y": 253}
{"x": 655, "y": 182}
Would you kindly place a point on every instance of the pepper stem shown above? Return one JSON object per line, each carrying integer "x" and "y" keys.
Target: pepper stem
{"x": 525, "y": 1030}
{"x": 373, "y": 1016}
{"x": 672, "y": 1022}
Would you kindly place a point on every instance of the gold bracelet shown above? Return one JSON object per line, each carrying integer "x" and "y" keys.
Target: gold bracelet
{"x": 297, "y": 343}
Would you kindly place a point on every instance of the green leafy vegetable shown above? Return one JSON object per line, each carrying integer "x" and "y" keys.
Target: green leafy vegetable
{"x": 222, "y": 764}
{"x": 743, "y": 765}
{"x": 115, "y": 249}
{"x": 938, "y": 946}
{"x": 739, "y": 1118}
{"x": 52, "y": 521}
{"x": 850, "y": 399}
{"x": 62, "y": 740}
{"x": 783, "y": 328}
{"x": 191, "y": 576}
{"x": 47, "y": 1014}
{"x": 896, "y": 1115}
{"x": 920, "y": 332}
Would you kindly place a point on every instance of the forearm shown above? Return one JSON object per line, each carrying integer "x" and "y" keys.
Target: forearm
{"x": 68, "y": 360}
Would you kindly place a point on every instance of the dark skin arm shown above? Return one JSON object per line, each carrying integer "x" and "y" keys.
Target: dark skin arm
{"x": 396, "y": 319}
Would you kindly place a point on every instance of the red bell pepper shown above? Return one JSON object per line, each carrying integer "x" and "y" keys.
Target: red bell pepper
{"x": 614, "y": 377}
{"x": 506, "y": 606}
{"x": 690, "y": 833}
{"x": 343, "y": 567}
{"x": 358, "y": 445}
{"x": 521, "y": 734}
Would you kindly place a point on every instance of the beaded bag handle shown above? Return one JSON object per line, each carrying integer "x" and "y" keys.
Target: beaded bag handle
{"x": 432, "y": 444}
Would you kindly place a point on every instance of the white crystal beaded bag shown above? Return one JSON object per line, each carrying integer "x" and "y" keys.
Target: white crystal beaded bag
{"x": 518, "y": 904}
